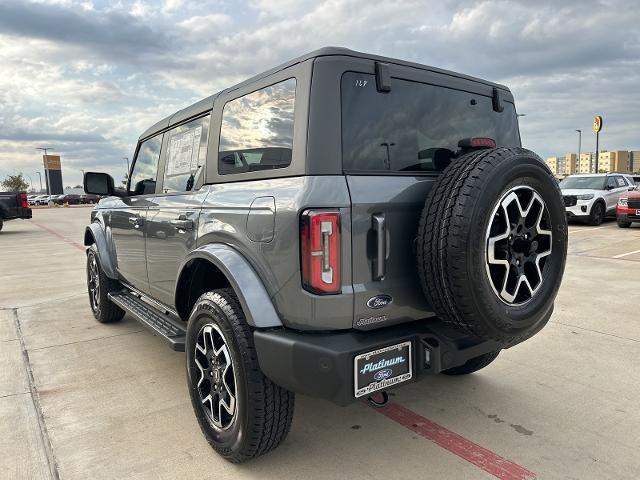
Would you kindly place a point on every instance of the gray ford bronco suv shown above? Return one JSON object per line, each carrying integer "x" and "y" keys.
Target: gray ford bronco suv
{"x": 337, "y": 226}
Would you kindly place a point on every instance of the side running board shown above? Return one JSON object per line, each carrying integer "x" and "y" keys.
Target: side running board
{"x": 172, "y": 329}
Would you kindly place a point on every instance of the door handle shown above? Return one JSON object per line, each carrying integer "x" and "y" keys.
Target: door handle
{"x": 137, "y": 222}
{"x": 380, "y": 259}
{"x": 183, "y": 223}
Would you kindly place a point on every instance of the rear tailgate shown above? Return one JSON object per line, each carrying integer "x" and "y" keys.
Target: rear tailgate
{"x": 385, "y": 212}
{"x": 11, "y": 206}
{"x": 395, "y": 143}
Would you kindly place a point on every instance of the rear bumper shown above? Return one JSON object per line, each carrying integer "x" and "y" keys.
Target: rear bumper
{"x": 21, "y": 213}
{"x": 322, "y": 364}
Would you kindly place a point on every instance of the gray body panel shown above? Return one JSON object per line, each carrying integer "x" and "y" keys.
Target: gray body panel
{"x": 248, "y": 224}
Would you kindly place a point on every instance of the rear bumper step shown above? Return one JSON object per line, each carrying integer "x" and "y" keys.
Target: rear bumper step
{"x": 165, "y": 325}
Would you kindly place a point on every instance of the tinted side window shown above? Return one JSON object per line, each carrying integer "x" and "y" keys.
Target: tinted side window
{"x": 145, "y": 167}
{"x": 186, "y": 155}
{"x": 611, "y": 182}
{"x": 414, "y": 127}
{"x": 257, "y": 130}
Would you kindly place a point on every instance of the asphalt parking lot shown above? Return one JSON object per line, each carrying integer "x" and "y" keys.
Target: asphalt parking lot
{"x": 82, "y": 400}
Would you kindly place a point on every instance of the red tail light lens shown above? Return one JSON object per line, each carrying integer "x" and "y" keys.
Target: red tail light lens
{"x": 320, "y": 251}
{"x": 477, "y": 142}
{"x": 23, "y": 200}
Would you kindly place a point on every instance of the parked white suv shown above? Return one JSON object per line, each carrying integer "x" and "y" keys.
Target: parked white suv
{"x": 590, "y": 197}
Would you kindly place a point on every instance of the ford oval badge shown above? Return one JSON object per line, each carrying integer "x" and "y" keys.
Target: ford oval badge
{"x": 379, "y": 301}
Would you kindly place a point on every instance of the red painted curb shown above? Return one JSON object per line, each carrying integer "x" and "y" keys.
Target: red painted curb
{"x": 473, "y": 453}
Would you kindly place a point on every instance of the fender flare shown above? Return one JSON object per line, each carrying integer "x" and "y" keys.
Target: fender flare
{"x": 254, "y": 299}
{"x": 96, "y": 232}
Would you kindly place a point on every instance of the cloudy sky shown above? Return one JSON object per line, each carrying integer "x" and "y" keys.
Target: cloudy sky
{"x": 86, "y": 77}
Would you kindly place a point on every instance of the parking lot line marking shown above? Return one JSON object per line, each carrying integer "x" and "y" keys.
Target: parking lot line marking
{"x": 473, "y": 453}
{"x": 578, "y": 230}
{"x": 61, "y": 237}
{"x": 626, "y": 254}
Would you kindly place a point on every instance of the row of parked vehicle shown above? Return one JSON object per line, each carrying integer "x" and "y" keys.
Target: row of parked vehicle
{"x": 592, "y": 197}
{"x": 69, "y": 199}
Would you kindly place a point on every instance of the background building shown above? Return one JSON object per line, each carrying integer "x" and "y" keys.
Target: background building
{"x": 586, "y": 164}
{"x": 556, "y": 165}
{"x": 634, "y": 161}
{"x": 614, "y": 161}
{"x": 570, "y": 163}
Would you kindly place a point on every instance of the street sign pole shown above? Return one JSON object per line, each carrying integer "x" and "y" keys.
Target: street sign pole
{"x": 597, "y": 126}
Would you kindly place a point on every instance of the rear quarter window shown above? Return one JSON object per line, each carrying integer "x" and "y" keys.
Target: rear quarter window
{"x": 257, "y": 130}
{"x": 415, "y": 127}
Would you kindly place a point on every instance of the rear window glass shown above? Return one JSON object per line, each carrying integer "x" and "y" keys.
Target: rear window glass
{"x": 415, "y": 127}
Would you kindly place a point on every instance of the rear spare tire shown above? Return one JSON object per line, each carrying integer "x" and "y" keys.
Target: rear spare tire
{"x": 492, "y": 244}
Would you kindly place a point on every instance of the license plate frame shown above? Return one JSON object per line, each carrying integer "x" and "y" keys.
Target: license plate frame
{"x": 382, "y": 368}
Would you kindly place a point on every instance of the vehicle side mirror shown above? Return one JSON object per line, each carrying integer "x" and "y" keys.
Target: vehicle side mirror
{"x": 98, "y": 183}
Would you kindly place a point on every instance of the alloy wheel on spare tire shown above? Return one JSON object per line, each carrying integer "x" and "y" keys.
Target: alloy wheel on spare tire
{"x": 492, "y": 244}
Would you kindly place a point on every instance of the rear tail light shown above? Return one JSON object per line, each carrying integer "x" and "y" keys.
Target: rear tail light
{"x": 23, "y": 200}
{"x": 320, "y": 251}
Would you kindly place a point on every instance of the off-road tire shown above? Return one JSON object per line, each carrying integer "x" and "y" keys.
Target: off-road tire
{"x": 473, "y": 365}
{"x": 452, "y": 247}
{"x": 623, "y": 224}
{"x": 597, "y": 214}
{"x": 264, "y": 410}
{"x": 104, "y": 310}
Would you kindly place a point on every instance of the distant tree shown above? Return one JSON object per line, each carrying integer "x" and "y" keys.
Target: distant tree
{"x": 78, "y": 186}
{"x": 15, "y": 183}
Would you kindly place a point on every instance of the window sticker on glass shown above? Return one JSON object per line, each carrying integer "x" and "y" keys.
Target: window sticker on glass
{"x": 183, "y": 152}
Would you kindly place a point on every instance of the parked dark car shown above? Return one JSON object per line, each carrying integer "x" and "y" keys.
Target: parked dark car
{"x": 337, "y": 226}
{"x": 68, "y": 199}
{"x": 89, "y": 198}
{"x": 13, "y": 205}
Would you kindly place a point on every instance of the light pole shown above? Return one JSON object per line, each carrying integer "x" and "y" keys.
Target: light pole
{"x": 128, "y": 167}
{"x": 46, "y": 159}
{"x": 40, "y": 175}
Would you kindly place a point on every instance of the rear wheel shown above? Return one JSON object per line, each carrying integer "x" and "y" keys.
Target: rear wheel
{"x": 623, "y": 224}
{"x": 597, "y": 214}
{"x": 473, "y": 365}
{"x": 241, "y": 412}
{"x": 99, "y": 286}
{"x": 492, "y": 244}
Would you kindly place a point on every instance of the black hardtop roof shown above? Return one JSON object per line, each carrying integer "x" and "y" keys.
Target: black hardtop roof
{"x": 207, "y": 103}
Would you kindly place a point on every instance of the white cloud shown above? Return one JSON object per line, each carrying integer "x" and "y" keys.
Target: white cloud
{"x": 88, "y": 77}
